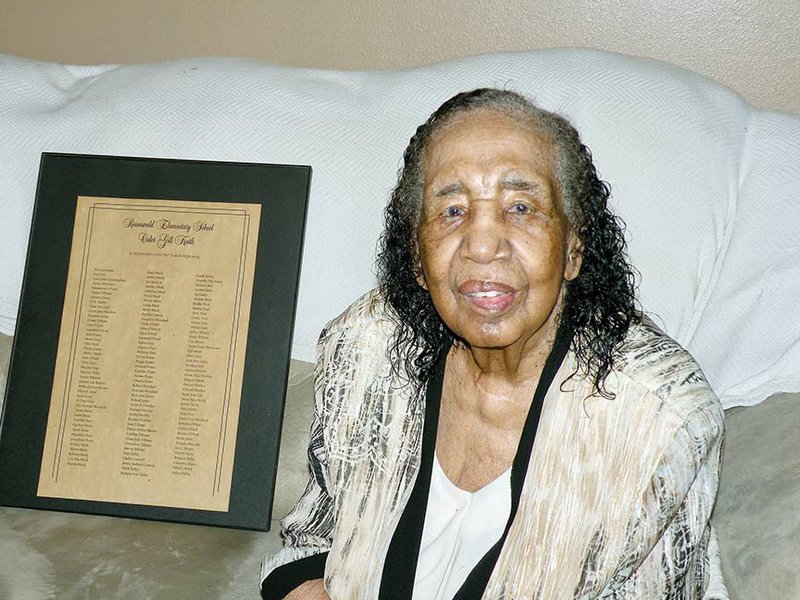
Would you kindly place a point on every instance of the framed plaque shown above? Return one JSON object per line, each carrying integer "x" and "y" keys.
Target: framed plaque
{"x": 153, "y": 339}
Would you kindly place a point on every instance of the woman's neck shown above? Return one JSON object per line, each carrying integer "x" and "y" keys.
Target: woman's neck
{"x": 509, "y": 366}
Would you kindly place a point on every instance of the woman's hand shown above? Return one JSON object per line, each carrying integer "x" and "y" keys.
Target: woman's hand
{"x": 310, "y": 590}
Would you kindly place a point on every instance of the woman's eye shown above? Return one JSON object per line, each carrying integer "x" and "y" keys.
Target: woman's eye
{"x": 453, "y": 211}
{"x": 520, "y": 208}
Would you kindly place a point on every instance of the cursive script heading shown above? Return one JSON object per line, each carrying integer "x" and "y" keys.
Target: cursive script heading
{"x": 132, "y": 223}
{"x": 177, "y": 233}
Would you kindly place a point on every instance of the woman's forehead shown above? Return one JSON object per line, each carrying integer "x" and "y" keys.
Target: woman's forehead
{"x": 486, "y": 136}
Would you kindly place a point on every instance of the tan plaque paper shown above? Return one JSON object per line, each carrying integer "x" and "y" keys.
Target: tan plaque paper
{"x": 148, "y": 375}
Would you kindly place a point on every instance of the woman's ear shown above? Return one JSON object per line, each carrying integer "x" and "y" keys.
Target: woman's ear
{"x": 572, "y": 267}
{"x": 418, "y": 272}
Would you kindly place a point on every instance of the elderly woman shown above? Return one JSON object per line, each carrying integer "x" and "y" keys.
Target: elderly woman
{"x": 497, "y": 421}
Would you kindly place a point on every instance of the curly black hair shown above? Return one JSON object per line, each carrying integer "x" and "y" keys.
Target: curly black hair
{"x": 599, "y": 304}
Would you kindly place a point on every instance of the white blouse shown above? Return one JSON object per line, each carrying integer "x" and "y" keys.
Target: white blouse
{"x": 460, "y": 527}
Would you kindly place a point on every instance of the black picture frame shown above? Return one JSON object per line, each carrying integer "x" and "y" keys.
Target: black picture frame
{"x": 282, "y": 191}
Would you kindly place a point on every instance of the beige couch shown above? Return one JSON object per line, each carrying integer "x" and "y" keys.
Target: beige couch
{"x": 47, "y": 555}
{"x": 707, "y": 185}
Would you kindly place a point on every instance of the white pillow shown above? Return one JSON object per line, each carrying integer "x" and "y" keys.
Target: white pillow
{"x": 749, "y": 337}
{"x": 668, "y": 140}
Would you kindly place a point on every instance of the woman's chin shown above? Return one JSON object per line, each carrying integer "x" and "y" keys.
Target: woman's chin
{"x": 489, "y": 336}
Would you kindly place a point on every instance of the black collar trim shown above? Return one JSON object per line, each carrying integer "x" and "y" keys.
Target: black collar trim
{"x": 399, "y": 570}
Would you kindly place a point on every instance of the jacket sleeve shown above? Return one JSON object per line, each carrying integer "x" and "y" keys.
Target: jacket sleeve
{"x": 307, "y": 529}
{"x": 672, "y": 551}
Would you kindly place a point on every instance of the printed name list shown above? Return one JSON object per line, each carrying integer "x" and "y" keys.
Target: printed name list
{"x": 148, "y": 375}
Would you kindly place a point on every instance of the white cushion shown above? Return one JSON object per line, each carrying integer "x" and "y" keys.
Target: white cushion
{"x": 749, "y": 338}
{"x": 674, "y": 146}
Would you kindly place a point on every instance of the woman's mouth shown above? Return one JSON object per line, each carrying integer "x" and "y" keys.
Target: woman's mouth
{"x": 488, "y": 295}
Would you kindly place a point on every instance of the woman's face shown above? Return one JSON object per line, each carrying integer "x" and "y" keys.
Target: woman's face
{"x": 494, "y": 244}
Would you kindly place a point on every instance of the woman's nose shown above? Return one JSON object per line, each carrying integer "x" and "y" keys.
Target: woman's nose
{"x": 485, "y": 237}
